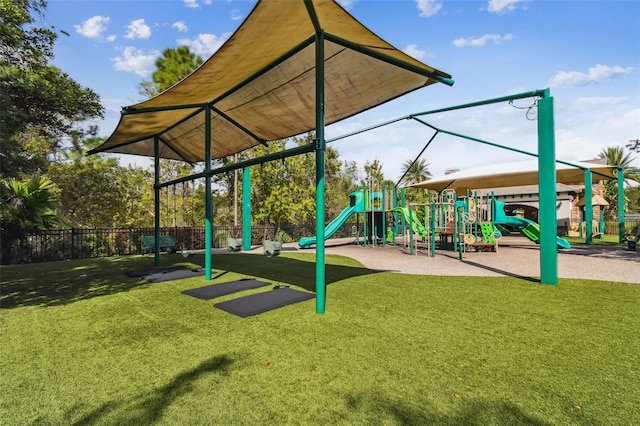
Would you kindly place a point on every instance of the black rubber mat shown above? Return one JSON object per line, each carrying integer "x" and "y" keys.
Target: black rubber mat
{"x": 174, "y": 275}
{"x": 217, "y": 290}
{"x": 145, "y": 272}
{"x": 262, "y": 302}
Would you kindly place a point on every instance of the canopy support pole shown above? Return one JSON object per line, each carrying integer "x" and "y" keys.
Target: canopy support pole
{"x": 588, "y": 207}
{"x": 246, "y": 209}
{"x": 621, "y": 230}
{"x": 208, "y": 223}
{"x": 156, "y": 199}
{"x": 320, "y": 147}
{"x": 547, "y": 188}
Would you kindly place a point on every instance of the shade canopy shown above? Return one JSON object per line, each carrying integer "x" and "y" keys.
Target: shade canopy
{"x": 261, "y": 84}
{"x": 596, "y": 200}
{"x": 514, "y": 174}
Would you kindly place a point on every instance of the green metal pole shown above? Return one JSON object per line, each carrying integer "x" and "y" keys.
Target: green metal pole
{"x": 365, "y": 201}
{"x": 547, "y": 186}
{"x": 432, "y": 229}
{"x": 621, "y": 230}
{"x": 402, "y": 204}
{"x": 208, "y": 224}
{"x": 410, "y": 231}
{"x": 588, "y": 206}
{"x": 156, "y": 196}
{"x": 320, "y": 152}
{"x": 246, "y": 209}
{"x": 384, "y": 216}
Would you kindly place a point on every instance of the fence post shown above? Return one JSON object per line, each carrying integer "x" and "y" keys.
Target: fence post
{"x": 73, "y": 243}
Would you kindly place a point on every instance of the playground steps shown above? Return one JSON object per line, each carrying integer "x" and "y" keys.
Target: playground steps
{"x": 482, "y": 246}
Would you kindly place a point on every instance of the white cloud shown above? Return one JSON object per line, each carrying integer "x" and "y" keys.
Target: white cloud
{"x": 204, "y": 44}
{"x": 501, "y": 7}
{"x": 588, "y": 103}
{"x": 138, "y": 29}
{"x": 93, "y": 27}
{"x": 629, "y": 120}
{"x": 412, "y": 50}
{"x": 347, "y": 4}
{"x": 596, "y": 74}
{"x": 194, "y": 4}
{"x": 111, "y": 38}
{"x": 428, "y": 8}
{"x": 137, "y": 61}
{"x": 180, "y": 26}
{"x": 482, "y": 41}
{"x": 236, "y": 15}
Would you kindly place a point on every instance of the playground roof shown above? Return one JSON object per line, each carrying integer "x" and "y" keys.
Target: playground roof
{"x": 514, "y": 174}
{"x": 261, "y": 84}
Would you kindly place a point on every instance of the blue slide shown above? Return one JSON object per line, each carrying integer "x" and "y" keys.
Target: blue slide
{"x": 330, "y": 229}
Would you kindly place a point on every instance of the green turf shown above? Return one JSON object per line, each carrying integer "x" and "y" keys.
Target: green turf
{"x": 82, "y": 344}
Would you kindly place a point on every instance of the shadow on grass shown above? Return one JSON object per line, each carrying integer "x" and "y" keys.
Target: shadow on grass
{"x": 62, "y": 282}
{"x": 283, "y": 269}
{"x": 59, "y": 283}
{"x": 467, "y": 413}
{"x": 496, "y": 270}
{"x": 148, "y": 408}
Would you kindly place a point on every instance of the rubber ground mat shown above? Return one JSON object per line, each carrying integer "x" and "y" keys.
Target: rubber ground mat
{"x": 262, "y": 302}
{"x": 174, "y": 275}
{"x": 217, "y": 290}
{"x": 145, "y": 272}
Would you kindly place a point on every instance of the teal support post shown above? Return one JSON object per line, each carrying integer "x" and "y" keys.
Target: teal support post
{"x": 621, "y": 230}
{"x": 395, "y": 215}
{"x": 588, "y": 206}
{"x": 365, "y": 200}
{"x": 208, "y": 201}
{"x": 547, "y": 187}
{"x": 156, "y": 197}
{"x": 410, "y": 231}
{"x": 320, "y": 148}
{"x": 432, "y": 229}
{"x": 246, "y": 209}
{"x": 384, "y": 215}
{"x": 402, "y": 204}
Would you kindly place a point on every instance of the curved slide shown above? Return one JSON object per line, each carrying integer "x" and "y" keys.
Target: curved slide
{"x": 330, "y": 229}
{"x": 416, "y": 225}
{"x": 531, "y": 230}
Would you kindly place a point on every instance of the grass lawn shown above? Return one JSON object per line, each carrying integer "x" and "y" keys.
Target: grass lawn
{"x": 606, "y": 239}
{"x": 82, "y": 344}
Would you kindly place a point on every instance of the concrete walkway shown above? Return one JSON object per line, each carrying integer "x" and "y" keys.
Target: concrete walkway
{"x": 517, "y": 256}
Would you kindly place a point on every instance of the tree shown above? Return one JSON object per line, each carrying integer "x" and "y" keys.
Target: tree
{"x": 632, "y": 195}
{"x": 634, "y": 145}
{"x": 38, "y": 102}
{"x": 26, "y": 207}
{"x": 616, "y": 156}
{"x": 174, "y": 65}
{"x": 415, "y": 172}
{"x": 373, "y": 173}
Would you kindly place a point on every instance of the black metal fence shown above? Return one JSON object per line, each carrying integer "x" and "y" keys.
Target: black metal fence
{"x": 75, "y": 243}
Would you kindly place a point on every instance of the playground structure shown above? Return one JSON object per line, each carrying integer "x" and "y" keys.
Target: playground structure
{"x": 475, "y": 221}
{"x": 372, "y": 201}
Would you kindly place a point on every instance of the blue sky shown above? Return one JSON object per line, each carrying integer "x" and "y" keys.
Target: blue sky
{"x": 586, "y": 52}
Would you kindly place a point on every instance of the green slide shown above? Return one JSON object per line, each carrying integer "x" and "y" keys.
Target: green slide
{"x": 531, "y": 230}
{"x": 330, "y": 229}
{"x": 528, "y": 228}
{"x": 416, "y": 225}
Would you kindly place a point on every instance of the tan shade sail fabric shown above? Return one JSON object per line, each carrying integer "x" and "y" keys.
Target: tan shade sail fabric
{"x": 596, "y": 200}
{"x": 261, "y": 84}
{"x": 514, "y": 174}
